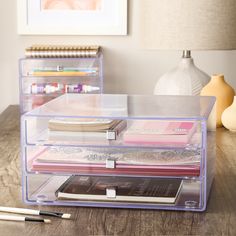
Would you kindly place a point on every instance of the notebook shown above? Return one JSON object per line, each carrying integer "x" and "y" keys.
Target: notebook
{"x": 123, "y": 189}
{"x": 82, "y": 124}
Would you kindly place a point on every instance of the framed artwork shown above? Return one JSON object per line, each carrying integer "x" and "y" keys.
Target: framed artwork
{"x": 72, "y": 17}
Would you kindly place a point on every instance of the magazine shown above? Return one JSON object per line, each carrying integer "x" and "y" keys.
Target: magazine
{"x": 125, "y": 189}
{"x": 126, "y": 161}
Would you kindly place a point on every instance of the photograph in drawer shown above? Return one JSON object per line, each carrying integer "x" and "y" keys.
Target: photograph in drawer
{"x": 115, "y": 161}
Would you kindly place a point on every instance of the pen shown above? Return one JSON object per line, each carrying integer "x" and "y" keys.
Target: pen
{"x": 34, "y": 212}
{"x": 23, "y": 218}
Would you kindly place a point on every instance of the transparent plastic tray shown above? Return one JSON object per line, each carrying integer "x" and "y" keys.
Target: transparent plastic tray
{"x": 46, "y": 190}
{"x": 43, "y": 79}
{"x": 60, "y": 140}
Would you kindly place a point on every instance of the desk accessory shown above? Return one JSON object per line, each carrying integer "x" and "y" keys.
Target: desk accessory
{"x": 124, "y": 189}
{"x": 54, "y": 88}
{"x": 129, "y": 162}
{"x": 187, "y": 25}
{"x": 34, "y": 212}
{"x": 48, "y": 71}
{"x": 48, "y": 164}
{"x": 24, "y": 218}
{"x": 90, "y": 129}
{"x": 51, "y": 51}
{"x": 82, "y": 125}
{"x": 160, "y": 132}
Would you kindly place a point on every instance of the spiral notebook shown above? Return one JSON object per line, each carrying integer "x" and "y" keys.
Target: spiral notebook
{"x": 54, "y": 51}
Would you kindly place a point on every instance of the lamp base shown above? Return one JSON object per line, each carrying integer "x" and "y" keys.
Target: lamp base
{"x": 185, "y": 79}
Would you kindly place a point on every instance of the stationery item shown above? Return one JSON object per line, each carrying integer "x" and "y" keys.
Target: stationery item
{"x": 61, "y": 73}
{"x": 48, "y": 88}
{"x": 34, "y": 212}
{"x": 132, "y": 189}
{"x": 191, "y": 170}
{"x": 160, "y": 132}
{"x": 116, "y": 161}
{"x": 100, "y": 135}
{"x": 60, "y": 68}
{"x": 43, "y": 47}
{"x": 37, "y": 88}
{"x": 44, "y": 51}
{"x": 82, "y": 124}
{"x": 80, "y": 88}
{"x": 23, "y": 218}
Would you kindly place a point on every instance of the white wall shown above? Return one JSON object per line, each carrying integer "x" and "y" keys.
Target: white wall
{"x": 127, "y": 67}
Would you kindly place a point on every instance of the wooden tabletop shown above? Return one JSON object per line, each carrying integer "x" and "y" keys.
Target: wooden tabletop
{"x": 218, "y": 219}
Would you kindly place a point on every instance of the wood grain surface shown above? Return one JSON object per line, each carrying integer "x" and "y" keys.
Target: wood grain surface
{"x": 218, "y": 219}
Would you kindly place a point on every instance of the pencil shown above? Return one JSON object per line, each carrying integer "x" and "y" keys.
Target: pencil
{"x": 34, "y": 212}
{"x": 60, "y": 73}
{"x": 23, "y": 218}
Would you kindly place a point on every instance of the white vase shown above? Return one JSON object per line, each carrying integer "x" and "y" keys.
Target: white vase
{"x": 229, "y": 117}
{"x": 185, "y": 79}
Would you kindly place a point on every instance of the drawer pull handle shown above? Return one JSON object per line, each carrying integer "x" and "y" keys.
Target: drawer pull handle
{"x": 110, "y": 164}
{"x": 111, "y": 192}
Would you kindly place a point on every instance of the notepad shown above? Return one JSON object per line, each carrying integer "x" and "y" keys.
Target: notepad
{"x": 160, "y": 132}
{"x": 82, "y": 124}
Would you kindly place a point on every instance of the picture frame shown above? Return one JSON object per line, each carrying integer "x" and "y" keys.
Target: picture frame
{"x": 67, "y": 17}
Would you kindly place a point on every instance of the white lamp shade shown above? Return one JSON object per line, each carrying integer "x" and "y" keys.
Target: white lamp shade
{"x": 188, "y": 24}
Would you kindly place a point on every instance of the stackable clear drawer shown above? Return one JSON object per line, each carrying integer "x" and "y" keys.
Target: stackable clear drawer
{"x": 43, "y": 79}
{"x": 130, "y": 151}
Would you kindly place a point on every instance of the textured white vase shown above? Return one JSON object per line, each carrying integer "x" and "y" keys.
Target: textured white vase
{"x": 229, "y": 117}
{"x": 185, "y": 79}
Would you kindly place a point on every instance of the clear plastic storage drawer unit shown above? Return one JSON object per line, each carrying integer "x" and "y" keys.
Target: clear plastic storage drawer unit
{"x": 43, "y": 79}
{"x": 126, "y": 151}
